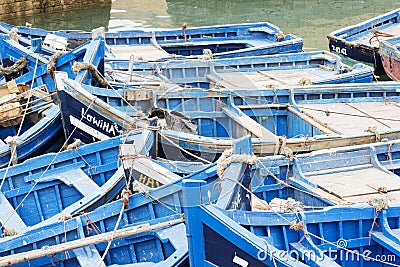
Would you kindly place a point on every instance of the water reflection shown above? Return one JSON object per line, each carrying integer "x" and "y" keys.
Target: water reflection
{"x": 310, "y": 19}
{"x": 78, "y": 19}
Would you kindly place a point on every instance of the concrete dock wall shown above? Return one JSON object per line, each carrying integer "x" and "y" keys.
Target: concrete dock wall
{"x": 12, "y": 8}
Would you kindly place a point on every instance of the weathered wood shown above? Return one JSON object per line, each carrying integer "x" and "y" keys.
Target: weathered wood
{"x": 251, "y": 125}
{"x": 313, "y": 122}
{"x": 105, "y": 237}
{"x": 357, "y": 117}
{"x": 369, "y": 115}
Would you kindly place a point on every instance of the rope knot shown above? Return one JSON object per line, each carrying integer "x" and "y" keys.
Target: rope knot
{"x": 379, "y": 203}
{"x": 125, "y": 197}
{"x": 227, "y": 158}
{"x": 305, "y": 81}
{"x": 207, "y": 55}
{"x": 65, "y": 217}
{"x": 297, "y": 226}
{"x": 283, "y": 149}
{"x": 74, "y": 145}
{"x": 374, "y": 130}
{"x": 14, "y": 34}
{"x": 10, "y": 232}
{"x": 279, "y": 36}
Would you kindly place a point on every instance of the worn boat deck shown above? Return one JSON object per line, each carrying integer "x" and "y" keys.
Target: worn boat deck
{"x": 355, "y": 118}
{"x": 374, "y": 41}
{"x": 141, "y": 52}
{"x": 358, "y": 185}
{"x": 265, "y": 79}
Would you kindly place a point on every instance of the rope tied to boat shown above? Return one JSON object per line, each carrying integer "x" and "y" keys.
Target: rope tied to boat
{"x": 74, "y": 145}
{"x": 291, "y": 206}
{"x": 64, "y": 217}
{"x": 379, "y": 203}
{"x": 184, "y": 26}
{"x": 78, "y": 66}
{"x": 125, "y": 194}
{"x": 305, "y": 81}
{"x": 283, "y": 150}
{"x": 14, "y": 34}
{"x": 91, "y": 226}
{"x": 374, "y": 130}
{"x": 277, "y": 205}
{"x": 51, "y": 66}
{"x": 227, "y": 157}
{"x": 376, "y": 34}
{"x": 207, "y": 55}
{"x": 12, "y": 142}
{"x": 279, "y": 36}
{"x": 297, "y": 226}
{"x": 16, "y": 67}
{"x": 10, "y": 231}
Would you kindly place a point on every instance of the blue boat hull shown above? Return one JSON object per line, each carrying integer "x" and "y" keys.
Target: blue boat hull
{"x": 359, "y": 41}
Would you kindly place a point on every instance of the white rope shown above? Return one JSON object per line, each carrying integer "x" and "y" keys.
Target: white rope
{"x": 112, "y": 237}
{"x": 379, "y": 203}
{"x": 227, "y": 158}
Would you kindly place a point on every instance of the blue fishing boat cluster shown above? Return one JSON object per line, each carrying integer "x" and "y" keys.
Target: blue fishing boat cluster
{"x": 211, "y": 146}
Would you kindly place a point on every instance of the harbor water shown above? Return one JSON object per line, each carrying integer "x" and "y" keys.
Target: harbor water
{"x": 312, "y": 20}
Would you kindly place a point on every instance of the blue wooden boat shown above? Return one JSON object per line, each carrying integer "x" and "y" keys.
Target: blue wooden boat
{"x": 223, "y": 41}
{"x": 260, "y": 72}
{"x": 30, "y": 124}
{"x": 36, "y": 45}
{"x": 301, "y": 118}
{"x": 39, "y": 67}
{"x": 356, "y": 235}
{"x": 30, "y": 118}
{"x": 155, "y": 247}
{"x": 45, "y": 188}
{"x": 335, "y": 236}
{"x": 361, "y": 41}
{"x": 388, "y": 49}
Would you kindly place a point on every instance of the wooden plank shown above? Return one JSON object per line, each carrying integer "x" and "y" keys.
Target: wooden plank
{"x": 141, "y": 52}
{"x": 251, "y": 125}
{"x": 355, "y": 118}
{"x": 309, "y": 119}
{"x": 355, "y": 184}
{"x": 91, "y": 240}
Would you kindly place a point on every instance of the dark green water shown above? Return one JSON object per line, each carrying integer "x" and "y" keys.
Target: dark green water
{"x": 310, "y": 19}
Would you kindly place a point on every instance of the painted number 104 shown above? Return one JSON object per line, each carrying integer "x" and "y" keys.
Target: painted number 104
{"x": 339, "y": 50}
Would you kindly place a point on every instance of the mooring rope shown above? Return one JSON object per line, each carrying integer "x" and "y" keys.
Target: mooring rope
{"x": 51, "y": 66}
{"x": 20, "y": 64}
{"x": 78, "y": 66}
